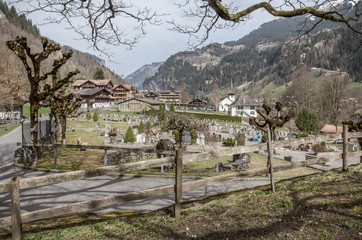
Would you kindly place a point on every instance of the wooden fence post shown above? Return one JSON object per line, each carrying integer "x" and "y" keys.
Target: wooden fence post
{"x": 345, "y": 148}
{"x": 55, "y": 153}
{"x": 15, "y": 208}
{"x": 178, "y": 183}
{"x": 270, "y": 155}
{"x": 105, "y": 159}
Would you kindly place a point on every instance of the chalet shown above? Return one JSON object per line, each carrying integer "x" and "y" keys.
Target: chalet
{"x": 244, "y": 106}
{"x": 95, "y": 98}
{"x": 225, "y": 103}
{"x": 197, "y": 103}
{"x": 150, "y": 95}
{"x": 138, "y": 105}
{"x": 92, "y": 84}
{"x": 164, "y": 96}
{"x": 169, "y": 96}
{"x": 123, "y": 92}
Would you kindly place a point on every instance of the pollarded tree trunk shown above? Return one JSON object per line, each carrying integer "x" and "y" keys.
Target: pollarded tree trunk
{"x": 63, "y": 123}
{"x": 32, "y": 156}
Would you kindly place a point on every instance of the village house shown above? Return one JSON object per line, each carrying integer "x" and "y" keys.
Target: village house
{"x": 91, "y": 84}
{"x": 164, "y": 96}
{"x": 123, "y": 92}
{"x": 95, "y": 98}
{"x": 225, "y": 103}
{"x": 244, "y": 106}
{"x": 197, "y": 103}
{"x": 138, "y": 105}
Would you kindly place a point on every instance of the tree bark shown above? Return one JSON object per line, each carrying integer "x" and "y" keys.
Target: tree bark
{"x": 270, "y": 155}
{"x": 63, "y": 122}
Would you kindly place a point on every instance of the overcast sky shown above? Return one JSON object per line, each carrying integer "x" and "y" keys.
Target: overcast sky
{"x": 159, "y": 43}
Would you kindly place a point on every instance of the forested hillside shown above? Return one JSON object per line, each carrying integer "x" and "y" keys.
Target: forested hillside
{"x": 266, "y": 55}
{"x": 13, "y": 81}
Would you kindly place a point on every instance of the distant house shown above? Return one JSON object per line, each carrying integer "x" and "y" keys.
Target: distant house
{"x": 150, "y": 95}
{"x": 244, "y": 106}
{"x": 95, "y": 98}
{"x": 91, "y": 84}
{"x": 225, "y": 103}
{"x": 169, "y": 96}
{"x": 198, "y": 103}
{"x": 123, "y": 92}
{"x": 138, "y": 105}
{"x": 330, "y": 129}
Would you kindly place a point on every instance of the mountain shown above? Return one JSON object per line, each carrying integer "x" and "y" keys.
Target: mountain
{"x": 139, "y": 76}
{"x": 266, "y": 55}
{"x": 12, "y": 70}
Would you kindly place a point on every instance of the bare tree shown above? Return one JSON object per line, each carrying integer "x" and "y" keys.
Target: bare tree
{"x": 62, "y": 104}
{"x": 217, "y": 14}
{"x": 39, "y": 89}
{"x": 96, "y": 20}
{"x": 302, "y": 92}
{"x": 99, "y": 17}
{"x": 270, "y": 121}
{"x": 334, "y": 89}
{"x": 214, "y": 97}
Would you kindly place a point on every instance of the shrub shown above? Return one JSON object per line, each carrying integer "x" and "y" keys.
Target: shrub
{"x": 301, "y": 134}
{"x": 264, "y": 138}
{"x": 129, "y": 137}
{"x": 228, "y": 142}
{"x": 177, "y": 135}
{"x": 194, "y": 134}
{"x": 307, "y": 121}
{"x": 317, "y": 148}
{"x": 88, "y": 116}
{"x": 112, "y": 133}
{"x": 95, "y": 116}
{"x": 240, "y": 138}
{"x": 141, "y": 127}
{"x": 172, "y": 107}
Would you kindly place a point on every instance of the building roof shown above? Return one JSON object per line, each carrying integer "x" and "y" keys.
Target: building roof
{"x": 124, "y": 85}
{"x": 145, "y": 100}
{"x": 91, "y": 91}
{"x": 197, "y": 100}
{"x": 102, "y": 82}
{"x": 79, "y": 83}
{"x": 246, "y": 101}
{"x": 330, "y": 128}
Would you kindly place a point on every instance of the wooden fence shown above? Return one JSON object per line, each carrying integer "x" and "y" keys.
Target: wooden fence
{"x": 14, "y": 222}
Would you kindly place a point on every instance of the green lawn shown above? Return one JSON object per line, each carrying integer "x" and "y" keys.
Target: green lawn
{"x": 6, "y": 128}
{"x": 26, "y": 110}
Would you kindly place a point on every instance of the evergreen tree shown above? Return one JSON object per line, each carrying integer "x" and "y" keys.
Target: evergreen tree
{"x": 172, "y": 107}
{"x": 129, "y": 137}
{"x": 88, "y": 116}
{"x": 99, "y": 74}
{"x": 141, "y": 127}
{"x": 95, "y": 116}
{"x": 307, "y": 121}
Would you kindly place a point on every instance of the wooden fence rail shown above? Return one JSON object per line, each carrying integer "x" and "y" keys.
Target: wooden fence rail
{"x": 15, "y": 185}
{"x": 154, "y": 192}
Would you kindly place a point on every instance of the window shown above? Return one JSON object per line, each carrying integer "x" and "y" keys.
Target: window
{"x": 252, "y": 107}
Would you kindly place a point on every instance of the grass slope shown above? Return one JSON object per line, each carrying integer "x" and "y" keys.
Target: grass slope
{"x": 323, "y": 207}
